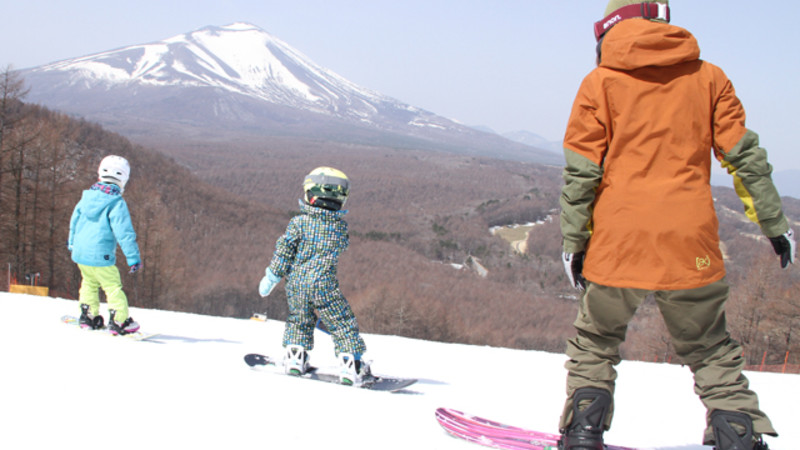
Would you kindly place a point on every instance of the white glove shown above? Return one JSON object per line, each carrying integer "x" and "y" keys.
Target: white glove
{"x": 268, "y": 283}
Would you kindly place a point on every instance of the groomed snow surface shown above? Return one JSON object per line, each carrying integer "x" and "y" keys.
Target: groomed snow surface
{"x": 63, "y": 387}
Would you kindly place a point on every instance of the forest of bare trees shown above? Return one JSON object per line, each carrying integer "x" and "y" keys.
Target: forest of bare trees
{"x": 47, "y": 159}
{"x": 39, "y": 159}
{"x": 208, "y": 213}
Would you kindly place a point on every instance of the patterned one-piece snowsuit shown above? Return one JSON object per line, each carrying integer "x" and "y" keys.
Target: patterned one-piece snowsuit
{"x": 307, "y": 255}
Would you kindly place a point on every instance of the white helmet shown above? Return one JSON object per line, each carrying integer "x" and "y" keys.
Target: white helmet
{"x": 114, "y": 169}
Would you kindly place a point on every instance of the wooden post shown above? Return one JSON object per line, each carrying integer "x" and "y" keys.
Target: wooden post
{"x": 785, "y": 360}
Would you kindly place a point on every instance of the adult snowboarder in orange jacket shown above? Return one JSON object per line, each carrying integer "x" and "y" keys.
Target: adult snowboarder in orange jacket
{"x": 638, "y": 219}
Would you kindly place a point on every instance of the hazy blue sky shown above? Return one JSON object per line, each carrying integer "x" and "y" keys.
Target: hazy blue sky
{"x": 506, "y": 64}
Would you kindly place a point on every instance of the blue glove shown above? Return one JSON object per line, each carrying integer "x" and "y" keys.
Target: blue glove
{"x": 135, "y": 268}
{"x": 785, "y": 247}
{"x": 573, "y": 265}
{"x": 268, "y": 283}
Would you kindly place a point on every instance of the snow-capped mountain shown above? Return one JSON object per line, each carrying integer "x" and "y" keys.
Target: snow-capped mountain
{"x": 239, "y": 58}
{"x": 239, "y": 77}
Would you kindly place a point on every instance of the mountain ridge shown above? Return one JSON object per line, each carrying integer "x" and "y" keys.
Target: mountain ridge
{"x": 239, "y": 79}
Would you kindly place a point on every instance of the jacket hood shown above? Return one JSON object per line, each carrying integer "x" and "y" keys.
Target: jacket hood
{"x": 636, "y": 43}
{"x": 96, "y": 199}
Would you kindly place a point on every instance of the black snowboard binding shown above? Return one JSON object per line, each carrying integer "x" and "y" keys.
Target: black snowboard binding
{"x": 88, "y": 321}
{"x": 740, "y": 437}
{"x": 128, "y": 326}
{"x": 585, "y": 432}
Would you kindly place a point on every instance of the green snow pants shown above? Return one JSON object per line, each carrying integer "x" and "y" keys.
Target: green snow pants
{"x": 696, "y": 322}
{"x": 109, "y": 280}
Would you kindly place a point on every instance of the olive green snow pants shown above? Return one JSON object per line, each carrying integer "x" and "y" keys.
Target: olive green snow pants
{"x": 109, "y": 280}
{"x": 696, "y": 322}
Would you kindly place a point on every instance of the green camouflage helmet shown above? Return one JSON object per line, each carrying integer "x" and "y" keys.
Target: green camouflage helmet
{"x": 327, "y": 188}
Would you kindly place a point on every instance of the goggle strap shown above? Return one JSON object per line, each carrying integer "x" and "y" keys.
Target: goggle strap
{"x": 643, "y": 10}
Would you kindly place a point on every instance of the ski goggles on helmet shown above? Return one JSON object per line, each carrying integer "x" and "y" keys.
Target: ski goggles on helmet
{"x": 643, "y": 10}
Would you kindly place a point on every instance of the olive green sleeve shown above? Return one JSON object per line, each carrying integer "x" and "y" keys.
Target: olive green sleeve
{"x": 581, "y": 179}
{"x": 752, "y": 180}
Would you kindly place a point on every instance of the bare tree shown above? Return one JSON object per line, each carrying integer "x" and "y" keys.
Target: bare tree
{"x": 12, "y": 91}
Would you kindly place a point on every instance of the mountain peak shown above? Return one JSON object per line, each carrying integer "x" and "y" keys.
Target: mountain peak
{"x": 239, "y": 57}
{"x": 235, "y": 26}
{"x": 238, "y": 76}
{"x": 239, "y": 26}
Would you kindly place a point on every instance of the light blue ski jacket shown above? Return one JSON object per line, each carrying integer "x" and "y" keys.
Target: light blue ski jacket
{"x": 100, "y": 221}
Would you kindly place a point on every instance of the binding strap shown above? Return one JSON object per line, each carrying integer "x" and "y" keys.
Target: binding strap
{"x": 643, "y": 10}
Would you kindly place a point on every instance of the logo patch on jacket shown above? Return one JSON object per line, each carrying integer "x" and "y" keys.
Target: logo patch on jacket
{"x": 703, "y": 263}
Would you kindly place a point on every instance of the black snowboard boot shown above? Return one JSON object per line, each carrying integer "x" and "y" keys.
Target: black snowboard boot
{"x": 734, "y": 431}
{"x": 126, "y": 327}
{"x": 87, "y": 320}
{"x": 590, "y": 408}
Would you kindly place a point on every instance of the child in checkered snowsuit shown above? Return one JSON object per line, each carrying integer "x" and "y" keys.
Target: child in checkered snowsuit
{"x": 307, "y": 255}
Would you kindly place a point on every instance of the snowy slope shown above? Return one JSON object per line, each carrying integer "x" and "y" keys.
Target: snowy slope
{"x": 66, "y": 388}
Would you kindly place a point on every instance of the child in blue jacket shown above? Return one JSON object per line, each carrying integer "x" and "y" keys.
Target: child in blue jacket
{"x": 100, "y": 221}
{"x": 307, "y": 255}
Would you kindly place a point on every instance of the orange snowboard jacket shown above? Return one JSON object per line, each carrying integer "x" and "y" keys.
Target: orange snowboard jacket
{"x": 638, "y": 148}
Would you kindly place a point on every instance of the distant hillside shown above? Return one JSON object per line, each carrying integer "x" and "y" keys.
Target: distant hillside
{"x": 534, "y": 140}
{"x": 414, "y": 214}
{"x": 207, "y": 222}
{"x": 208, "y": 214}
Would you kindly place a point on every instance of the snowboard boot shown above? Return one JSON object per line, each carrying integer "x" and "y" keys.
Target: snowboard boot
{"x": 589, "y": 410}
{"x": 126, "y": 327}
{"x": 734, "y": 431}
{"x": 295, "y": 360}
{"x": 88, "y": 321}
{"x": 352, "y": 371}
